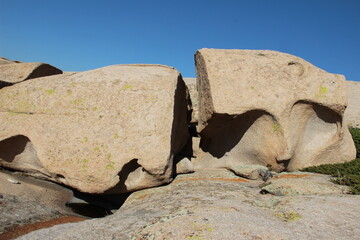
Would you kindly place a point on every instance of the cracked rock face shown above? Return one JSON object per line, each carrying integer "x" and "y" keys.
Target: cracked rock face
{"x": 270, "y": 108}
{"x": 113, "y": 129}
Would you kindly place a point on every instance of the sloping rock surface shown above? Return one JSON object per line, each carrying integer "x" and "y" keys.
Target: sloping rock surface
{"x": 302, "y": 183}
{"x": 270, "y": 108}
{"x": 218, "y": 205}
{"x": 11, "y": 73}
{"x": 113, "y": 129}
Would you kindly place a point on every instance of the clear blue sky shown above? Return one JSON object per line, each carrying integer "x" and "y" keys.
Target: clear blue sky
{"x": 76, "y": 35}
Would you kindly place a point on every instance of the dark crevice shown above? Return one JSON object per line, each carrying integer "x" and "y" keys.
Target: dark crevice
{"x": 5, "y": 84}
{"x": 43, "y": 71}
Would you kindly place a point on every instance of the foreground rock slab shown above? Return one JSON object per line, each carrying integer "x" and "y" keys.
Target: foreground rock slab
{"x": 218, "y": 205}
{"x": 113, "y": 129}
{"x": 301, "y": 183}
{"x": 270, "y": 108}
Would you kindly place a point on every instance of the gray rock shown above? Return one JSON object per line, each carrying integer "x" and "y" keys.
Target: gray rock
{"x": 218, "y": 205}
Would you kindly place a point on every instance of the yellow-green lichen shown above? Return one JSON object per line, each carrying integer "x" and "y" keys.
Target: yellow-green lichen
{"x": 84, "y": 163}
{"x": 110, "y": 166}
{"x": 96, "y": 149}
{"x": 276, "y": 127}
{"x": 50, "y": 91}
{"x": 77, "y": 101}
{"x": 116, "y": 136}
{"x": 85, "y": 140}
{"x": 24, "y": 105}
{"x": 127, "y": 86}
{"x": 196, "y": 237}
{"x": 288, "y": 216}
{"x": 322, "y": 92}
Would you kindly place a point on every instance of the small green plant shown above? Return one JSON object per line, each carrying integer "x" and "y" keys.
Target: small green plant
{"x": 344, "y": 173}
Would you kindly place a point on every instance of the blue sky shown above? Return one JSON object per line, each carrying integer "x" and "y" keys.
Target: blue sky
{"x": 76, "y": 35}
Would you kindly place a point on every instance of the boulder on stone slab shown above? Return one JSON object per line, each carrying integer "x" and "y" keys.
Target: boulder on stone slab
{"x": 109, "y": 130}
{"x": 11, "y": 73}
{"x": 270, "y": 108}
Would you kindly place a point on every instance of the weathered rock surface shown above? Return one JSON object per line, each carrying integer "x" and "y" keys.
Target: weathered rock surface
{"x": 270, "y": 108}
{"x": 113, "y": 129}
{"x": 42, "y": 192}
{"x": 352, "y": 113}
{"x": 12, "y": 73}
{"x": 17, "y": 210}
{"x": 218, "y": 205}
{"x": 303, "y": 183}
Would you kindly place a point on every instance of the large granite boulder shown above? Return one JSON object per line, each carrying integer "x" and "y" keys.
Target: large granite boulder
{"x": 113, "y": 129}
{"x": 352, "y": 113}
{"x": 269, "y": 108}
{"x": 12, "y": 72}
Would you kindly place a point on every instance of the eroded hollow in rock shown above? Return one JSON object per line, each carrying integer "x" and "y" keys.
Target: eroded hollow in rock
{"x": 253, "y": 137}
{"x": 14, "y": 146}
{"x": 313, "y": 129}
{"x": 304, "y": 137}
{"x": 18, "y": 154}
{"x": 225, "y": 131}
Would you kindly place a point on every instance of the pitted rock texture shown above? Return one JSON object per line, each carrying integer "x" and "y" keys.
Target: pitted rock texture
{"x": 13, "y": 72}
{"x": 352, "y": 113}
{"x": 113, "y": 129}
{"x": 269, "y": 108}
{"x": 218, "y": 205}
{"x": 19, "y": 210}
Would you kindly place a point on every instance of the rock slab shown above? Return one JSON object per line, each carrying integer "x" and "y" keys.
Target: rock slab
{"x": 218, "y": 205}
